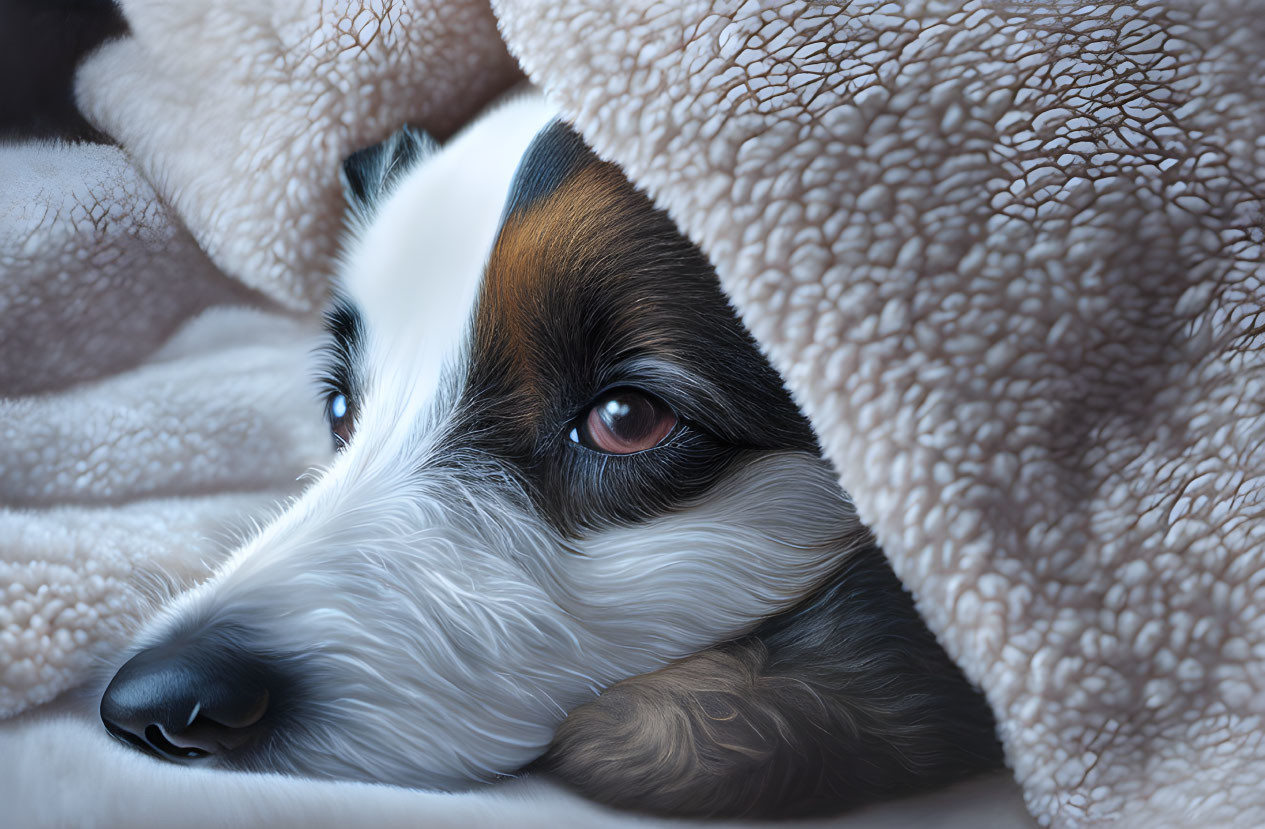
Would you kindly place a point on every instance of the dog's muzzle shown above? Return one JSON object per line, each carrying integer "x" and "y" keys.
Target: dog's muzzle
{"x": 193, "y": 697}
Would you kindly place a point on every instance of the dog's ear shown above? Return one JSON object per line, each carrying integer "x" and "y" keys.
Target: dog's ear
{"x": 370, "y": 174}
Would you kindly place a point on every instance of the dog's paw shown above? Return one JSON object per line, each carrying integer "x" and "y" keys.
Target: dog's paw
{"x": 708, "y": 736}
{"x": 739, "y": 732}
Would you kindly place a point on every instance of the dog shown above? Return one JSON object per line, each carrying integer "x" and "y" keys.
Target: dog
{"x": 575, "y": 523}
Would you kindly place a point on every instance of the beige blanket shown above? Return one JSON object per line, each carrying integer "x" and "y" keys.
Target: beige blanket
{"x": 1007, "y": 254}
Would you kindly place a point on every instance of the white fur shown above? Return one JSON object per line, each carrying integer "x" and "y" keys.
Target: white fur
{"x": 415, "y": 269}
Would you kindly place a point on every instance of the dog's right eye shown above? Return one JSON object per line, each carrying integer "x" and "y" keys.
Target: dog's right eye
{"x": 623, "y": 422}
{"x": 341, "y": 418}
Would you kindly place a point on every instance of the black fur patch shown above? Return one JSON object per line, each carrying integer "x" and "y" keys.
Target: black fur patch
{"x": 552, "y": 156}
{"x": 369, "y": 175}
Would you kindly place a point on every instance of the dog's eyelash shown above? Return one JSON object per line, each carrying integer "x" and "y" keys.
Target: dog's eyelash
{"x": 335, "y": 355}
{"x": 330, "y": 380}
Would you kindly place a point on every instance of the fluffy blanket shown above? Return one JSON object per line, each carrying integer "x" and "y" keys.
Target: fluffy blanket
{"x": 1008, "y": 256}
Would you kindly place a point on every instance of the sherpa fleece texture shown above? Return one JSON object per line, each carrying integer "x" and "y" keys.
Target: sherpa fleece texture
{"x": 1008, "y": 256}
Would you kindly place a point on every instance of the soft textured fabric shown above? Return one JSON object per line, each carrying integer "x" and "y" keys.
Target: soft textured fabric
{"x": 59, "y": 771}
{"x": 241, "y": 112}
{"x": 1008, "y": 256}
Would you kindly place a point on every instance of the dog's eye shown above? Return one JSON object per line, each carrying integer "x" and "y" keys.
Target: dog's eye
{"x": 624, "y": 421}
{"x": 341, "y": 419}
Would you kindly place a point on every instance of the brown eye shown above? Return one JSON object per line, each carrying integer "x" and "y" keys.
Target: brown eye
{"x": 624, "y": 421}
{"x": 341, "y": 419}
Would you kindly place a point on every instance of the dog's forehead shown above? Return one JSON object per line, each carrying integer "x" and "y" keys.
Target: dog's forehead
{"x": 414, "y": 271}
{"x": 516, "y": 271}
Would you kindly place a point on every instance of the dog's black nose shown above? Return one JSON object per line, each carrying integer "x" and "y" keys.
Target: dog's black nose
{"x": 190, "y": 698}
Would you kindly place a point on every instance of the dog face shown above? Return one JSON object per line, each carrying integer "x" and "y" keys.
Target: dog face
{"x": 563, "y": 462}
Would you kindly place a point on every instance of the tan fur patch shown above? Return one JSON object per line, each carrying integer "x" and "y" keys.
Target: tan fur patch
{"x": 543, "y": 250}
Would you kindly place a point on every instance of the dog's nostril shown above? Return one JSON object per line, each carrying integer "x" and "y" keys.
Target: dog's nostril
{"x": 189, "y": 699}
{"x": 155, "y": 738}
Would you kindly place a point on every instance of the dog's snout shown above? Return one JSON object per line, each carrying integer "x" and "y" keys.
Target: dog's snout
{"x": 190, "y": 698}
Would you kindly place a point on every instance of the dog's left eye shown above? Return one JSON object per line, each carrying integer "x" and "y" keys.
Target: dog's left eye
{"x": 341, "y": 419}
{"x": 624, "y": 421}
